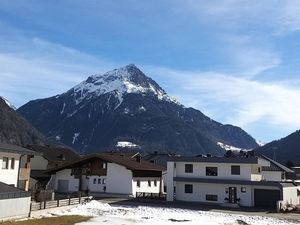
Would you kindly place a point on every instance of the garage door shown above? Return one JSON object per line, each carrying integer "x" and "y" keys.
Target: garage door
{"x": 63, "y": 186}
{"x": 264, "y": 198}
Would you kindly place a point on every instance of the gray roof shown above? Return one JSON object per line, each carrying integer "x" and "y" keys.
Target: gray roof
{"x": 214, "y": 159}
{"x": 4, "y": 147}
{"x": 275, "y": 166}
{"x": 8, "y": 192}
{"x": 227, "y": 181}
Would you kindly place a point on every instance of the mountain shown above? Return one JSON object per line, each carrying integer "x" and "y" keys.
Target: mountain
{"x": 14, "y": 129}
{"x": 125, "y": 106}
{"x": 283, "y": 150}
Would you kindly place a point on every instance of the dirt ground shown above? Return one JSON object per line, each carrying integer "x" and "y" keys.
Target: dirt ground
{"x": 61, "y": 220}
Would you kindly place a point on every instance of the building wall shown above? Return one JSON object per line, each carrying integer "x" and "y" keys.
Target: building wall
{"x": 224, "y": 171}
{"x": 95, "y": 186}
{"x": 272, "y": 175}
{"x": 171, "y": 172}
{"x": 14, "y": 208}
{"x": 9, "y": 176}
{"x": 39, "y": 163}
{"x": 290, "y": 195}
{"x": 119, "y": 179}
{"x": 66, "y": 175}
{"x": 144, "y": 185}
{"x": 200, "y": 190}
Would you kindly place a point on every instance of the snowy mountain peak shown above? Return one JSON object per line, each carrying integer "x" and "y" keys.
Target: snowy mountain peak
{"x": 119, "y": 82}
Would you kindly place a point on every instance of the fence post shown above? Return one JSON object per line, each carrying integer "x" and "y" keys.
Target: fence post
{"x": 40, "y": 205}
{"x": 57, "y": 202}
{"x": 45, "y": 204}
{"x": 30, "y": 208}
{"x": 69, "y": 199}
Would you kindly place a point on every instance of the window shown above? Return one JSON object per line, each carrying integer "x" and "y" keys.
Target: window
{"x": 235, "y": 170}
{"x": 99, "y": 181}
{"x": 243, "y": 189}
{"x": 155, "y": 183}
{"x": 94, "y": 181}
{"x": 211, "y": 198}
{"x": 165, "y": 188}
{"x": 12, "y": 164}
{"x": 188, "y": 188}
{"x": 211, "y": 171}
{"x": 138, "y": 183}
{"x": 103, "y": 181}
{"x": 103, "y": 166}
{"x": 5, "y": 163}
{"x": 189, "y": 168}
{"x": 149, "y": 183}
{"x": 258, "y": 169}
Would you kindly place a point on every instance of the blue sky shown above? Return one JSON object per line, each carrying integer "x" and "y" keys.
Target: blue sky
{"x": 236, "y": 61}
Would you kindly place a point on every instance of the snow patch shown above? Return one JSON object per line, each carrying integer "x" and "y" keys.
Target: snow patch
{"x": 63, "y": 109}
{"x": 131, "y": 215}
{"x": 126, "y": 144}
{"x": 229, "y": 147}
{"x": 75, "y": 136}
{"x": 10, "y": 105}
{"x": 142, "y": 109}
{"x": 260, "y": 143}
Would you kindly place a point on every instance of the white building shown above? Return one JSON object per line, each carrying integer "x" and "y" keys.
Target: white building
{"x": 110, "y": 173}
{"x": 232, "y": 181}
{"x": 14, "y": 181}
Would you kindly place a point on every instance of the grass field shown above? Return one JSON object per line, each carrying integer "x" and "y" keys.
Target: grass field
{"x": 61, "y": 220}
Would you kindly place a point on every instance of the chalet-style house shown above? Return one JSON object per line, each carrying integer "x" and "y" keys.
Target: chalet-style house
{"x": 111, "y": 173}
{"x": 49, "y": 157}
{"x": 14, "y": 181}
{"x": 250, "y": 181}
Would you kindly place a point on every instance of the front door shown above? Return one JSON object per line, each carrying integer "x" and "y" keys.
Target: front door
{"x": 232, "y": 195}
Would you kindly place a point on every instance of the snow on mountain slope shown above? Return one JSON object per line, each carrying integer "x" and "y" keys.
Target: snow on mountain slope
{"x": 128, "y": 79}
{"x": 229, "y": 147}
{"x": 8, "y": 103}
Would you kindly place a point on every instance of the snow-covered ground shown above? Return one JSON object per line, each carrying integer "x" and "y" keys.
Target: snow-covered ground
{"x": 117, "y": 215}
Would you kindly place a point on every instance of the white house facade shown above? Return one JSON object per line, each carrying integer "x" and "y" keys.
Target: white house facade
{"x": 110, "y": 174}
{"x": 232, "y": 181}
{"x": 14, "y": 181}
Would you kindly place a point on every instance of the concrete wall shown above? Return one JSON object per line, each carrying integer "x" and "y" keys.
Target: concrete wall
{"x": 119, "y": 179}
{"x": 144, "y": 186}
{"x": 272, "y": 175}
{"x": 14, "y": 208}
{"x": 200, "y": 190}
{"x": 39, "y": 163}
{"x": 66, "y": 175}
{"x": 9, "y": 176}
{"x": 97, "y": 187}
{"x": 224, "y": 171}
{"x": 290, "y": 196}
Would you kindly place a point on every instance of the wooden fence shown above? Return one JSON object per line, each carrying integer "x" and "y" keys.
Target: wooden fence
{"x": 149, "y": 195}
{"x": 34, "y": 206}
